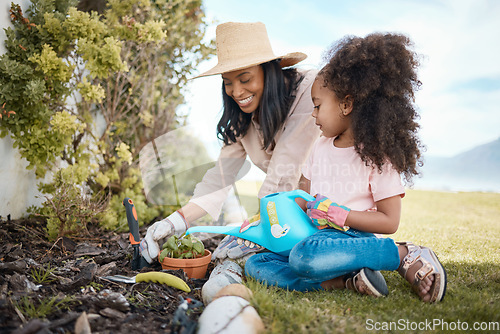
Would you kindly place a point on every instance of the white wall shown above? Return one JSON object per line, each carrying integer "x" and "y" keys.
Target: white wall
{"x": 17, "y": 185}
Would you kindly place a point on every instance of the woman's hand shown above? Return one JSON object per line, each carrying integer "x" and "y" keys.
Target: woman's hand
{"x": 236, "y": 248}
{"x": 173, "y": 224}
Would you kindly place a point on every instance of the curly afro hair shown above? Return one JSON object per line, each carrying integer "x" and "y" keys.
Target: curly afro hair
{"x": 378, "y": 74}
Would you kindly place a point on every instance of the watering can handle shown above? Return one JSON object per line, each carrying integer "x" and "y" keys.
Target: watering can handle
{"x": 300, "y": 193}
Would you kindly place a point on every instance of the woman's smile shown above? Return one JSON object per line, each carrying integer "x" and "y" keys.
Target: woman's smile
{"x": 245, "y": 102}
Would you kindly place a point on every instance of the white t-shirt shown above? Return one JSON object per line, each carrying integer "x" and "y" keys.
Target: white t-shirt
{"x": 341, "y": 175}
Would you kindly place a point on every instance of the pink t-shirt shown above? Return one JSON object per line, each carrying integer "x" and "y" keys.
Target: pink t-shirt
{"x": 341, "y": 175}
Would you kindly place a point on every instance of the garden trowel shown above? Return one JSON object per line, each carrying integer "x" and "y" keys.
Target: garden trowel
{"x": 152, "y": 276}
{"x": 138, "y": 262}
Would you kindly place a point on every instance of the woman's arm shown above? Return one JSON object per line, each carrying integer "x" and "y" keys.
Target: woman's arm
{"x": 192, "y": 212}
{"x": 212, "y": 191}
{"x": 385, "y": 220}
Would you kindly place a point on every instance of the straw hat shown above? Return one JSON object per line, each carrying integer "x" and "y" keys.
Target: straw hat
{"x": 242, "y": 45}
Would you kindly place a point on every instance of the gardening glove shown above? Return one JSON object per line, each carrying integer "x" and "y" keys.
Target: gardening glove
{"x": 236, "y": 248}
{"x": 324, "y": 213}
{"x": 173, "y": 224}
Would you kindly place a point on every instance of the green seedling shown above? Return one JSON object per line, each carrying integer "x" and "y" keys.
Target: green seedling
{"x": 144, "y": 299}
{"x": 183, "y": 247}
{"x": 42, "y": 275}
{"x": 44, "y": 307}
{"x": 97, "y": 286}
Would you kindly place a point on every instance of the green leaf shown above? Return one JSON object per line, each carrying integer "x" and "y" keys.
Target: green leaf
{"x": 171, "y": 244}
{"x": 187, "y": 243}
{"x": 163, "y": 254}
{"x": 198, "y": 247}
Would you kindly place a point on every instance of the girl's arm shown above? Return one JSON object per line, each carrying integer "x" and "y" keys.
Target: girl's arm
{"x": 304, "y": 184}
{"x": 385, "y": 220}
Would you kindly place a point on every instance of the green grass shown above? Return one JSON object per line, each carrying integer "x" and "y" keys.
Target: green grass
{"x": 43, "y": 275}
{"x": 464, "y": 231}
{"x": 32, "y": 308}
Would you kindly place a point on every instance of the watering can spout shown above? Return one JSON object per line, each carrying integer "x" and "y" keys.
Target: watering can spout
{"x": 282, "y": 225}
{"x": 252, "y": 234}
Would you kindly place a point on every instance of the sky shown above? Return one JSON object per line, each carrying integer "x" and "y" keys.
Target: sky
{"x": 459, "y": 41}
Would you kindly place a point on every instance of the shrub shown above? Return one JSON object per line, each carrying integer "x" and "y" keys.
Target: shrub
{"x": 82, "y": 93}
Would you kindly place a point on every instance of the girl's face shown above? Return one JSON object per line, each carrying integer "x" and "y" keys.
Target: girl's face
{"x": 331, "y": 115}
{"x": 245, "y": 86}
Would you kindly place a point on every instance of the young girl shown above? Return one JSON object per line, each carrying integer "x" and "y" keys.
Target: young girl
{"x": 363, "y": 104}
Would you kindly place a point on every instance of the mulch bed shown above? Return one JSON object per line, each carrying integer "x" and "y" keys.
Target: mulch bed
{"x": 30, "y": 303}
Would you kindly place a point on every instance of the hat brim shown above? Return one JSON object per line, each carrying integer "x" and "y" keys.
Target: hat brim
{"x": 287, "y": 60}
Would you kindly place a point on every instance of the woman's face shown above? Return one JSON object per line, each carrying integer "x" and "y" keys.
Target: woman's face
{"x": 245, "y": 86}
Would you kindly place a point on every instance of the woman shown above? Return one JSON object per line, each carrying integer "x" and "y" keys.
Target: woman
{"x": 266, "y": 116}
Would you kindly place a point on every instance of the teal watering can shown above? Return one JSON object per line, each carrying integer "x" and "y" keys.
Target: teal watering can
{"x": 282, "y": 225}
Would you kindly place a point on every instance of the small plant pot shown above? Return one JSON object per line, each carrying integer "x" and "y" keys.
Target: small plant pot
{"x": 194, "y": 268}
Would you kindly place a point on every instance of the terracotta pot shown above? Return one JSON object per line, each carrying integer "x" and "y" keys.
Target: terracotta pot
{"x": 194, "y": 268}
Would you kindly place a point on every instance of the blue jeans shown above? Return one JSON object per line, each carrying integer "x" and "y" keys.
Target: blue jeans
{"x": 327, "y": 254}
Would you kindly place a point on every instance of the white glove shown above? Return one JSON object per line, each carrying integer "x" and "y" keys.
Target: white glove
{"x": 236, "y": 248}
{"x": 173, "y": 224}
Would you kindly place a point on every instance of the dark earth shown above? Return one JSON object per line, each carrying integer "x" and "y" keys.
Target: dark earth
{"x": 57, "y": 287}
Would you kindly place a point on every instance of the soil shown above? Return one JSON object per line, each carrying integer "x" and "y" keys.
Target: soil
{"x": 58, "y": 287}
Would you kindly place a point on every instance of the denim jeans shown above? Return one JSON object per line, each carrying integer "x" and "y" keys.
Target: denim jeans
{"x": 327, "y": 254}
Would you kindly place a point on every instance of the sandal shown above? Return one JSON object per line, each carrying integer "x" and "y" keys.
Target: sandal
{"x": 430, "y": 266}
{"x": 373, "y": 282}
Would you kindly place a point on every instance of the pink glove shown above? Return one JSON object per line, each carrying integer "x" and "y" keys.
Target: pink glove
{"x": 324, "y": 213}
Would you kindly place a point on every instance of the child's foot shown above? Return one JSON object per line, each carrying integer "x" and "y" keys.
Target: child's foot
{"x": 364, "y": 281}
{"x": 421, "y": 267}
{"x": 367, "y": 282}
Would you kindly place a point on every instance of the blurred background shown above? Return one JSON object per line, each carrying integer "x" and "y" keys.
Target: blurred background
{"x": 460, "y": 95}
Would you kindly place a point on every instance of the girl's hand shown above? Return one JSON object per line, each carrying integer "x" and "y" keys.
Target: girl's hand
{"x": 324, "y": 213}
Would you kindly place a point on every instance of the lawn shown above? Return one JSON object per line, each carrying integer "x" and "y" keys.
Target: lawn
{"x": 462, "y": 228}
